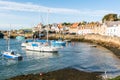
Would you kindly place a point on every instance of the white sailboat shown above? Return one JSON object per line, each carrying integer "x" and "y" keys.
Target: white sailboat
{"x": 42, "y": 47}
{"x": 37, "y": 46}
{"x": 11, "y": 54}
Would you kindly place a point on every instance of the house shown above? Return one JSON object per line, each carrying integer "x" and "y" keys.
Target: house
{"x": 38, "y": 28}
{"x": 85, "y": 29}
{"x": 99, "y": 28}
{"x": 60, "y": 27}
{"x": 54, "y": 27}
{"x": 74, "y": 28}
{"x": 113, "y": 28}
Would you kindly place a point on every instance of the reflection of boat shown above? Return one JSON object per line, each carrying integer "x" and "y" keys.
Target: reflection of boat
{"x": 34, "y": 54}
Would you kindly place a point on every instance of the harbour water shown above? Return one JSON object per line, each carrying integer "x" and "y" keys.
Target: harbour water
{"x": 81, "y": 56}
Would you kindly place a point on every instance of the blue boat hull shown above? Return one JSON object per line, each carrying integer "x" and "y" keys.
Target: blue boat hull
{"x": 57, "y": 43}
{"x": 11, "y": 57}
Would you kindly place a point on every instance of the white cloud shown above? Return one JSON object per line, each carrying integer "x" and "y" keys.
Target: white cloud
{"x": 7, "y": 5}
{"x": 29, "y": 7}
{"x": 95, "y": 13}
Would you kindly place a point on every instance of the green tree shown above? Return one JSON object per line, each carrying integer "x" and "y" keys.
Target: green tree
{"x": 84, "y": 22}
{"x": 66, "y": 23}
{"x": 110, "y": 17}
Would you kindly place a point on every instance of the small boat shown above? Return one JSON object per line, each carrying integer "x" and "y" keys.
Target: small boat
{"x": 20, "y": 38}
{"x": 58, "y": 43}
{"x": 93, "y": 45}
{"x": 10, "y": 54}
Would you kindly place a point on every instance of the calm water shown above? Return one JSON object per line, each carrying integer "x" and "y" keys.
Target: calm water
{"x": 76, "y": 55}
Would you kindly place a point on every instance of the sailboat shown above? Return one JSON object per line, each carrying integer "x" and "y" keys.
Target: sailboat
{"x": 42, "y": 47}
{"x": 11, "y": 54}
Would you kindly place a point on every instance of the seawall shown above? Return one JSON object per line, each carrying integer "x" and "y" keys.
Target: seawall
{"x": 111, "y": 43}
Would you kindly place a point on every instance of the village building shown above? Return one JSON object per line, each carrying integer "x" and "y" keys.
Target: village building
{"x": 74, "y": 28}
{"x": 38, "y": 28}
{"x": 113, "y": 28}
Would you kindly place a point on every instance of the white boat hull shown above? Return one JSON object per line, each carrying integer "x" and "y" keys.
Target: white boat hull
{"x": 42, "y": 48}
{"x": 24, "y": 44}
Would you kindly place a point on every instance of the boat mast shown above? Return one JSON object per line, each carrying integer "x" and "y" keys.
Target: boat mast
{"x": 8, "y": 40}
{"x": 47, "y": 25}
{"x": 106, "y": 77}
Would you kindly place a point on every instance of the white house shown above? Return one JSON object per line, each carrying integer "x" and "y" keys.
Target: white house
{"x": 113, "y": 28}
{"x": 86, "y": 29}
{"x": 83, "y": 31}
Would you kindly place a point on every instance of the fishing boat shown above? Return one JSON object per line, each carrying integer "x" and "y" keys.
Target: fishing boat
{"x": 11, "y": 54}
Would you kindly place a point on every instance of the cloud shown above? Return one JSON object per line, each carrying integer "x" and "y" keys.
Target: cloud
{"x": 13, "y": 26}
{"x": 7, "y": 5}
{"x": 29, "y": 7}
{"x": 95, "y": 13}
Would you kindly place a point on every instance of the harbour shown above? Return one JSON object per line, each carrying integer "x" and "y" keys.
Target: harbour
{"x": 81, "y": 56}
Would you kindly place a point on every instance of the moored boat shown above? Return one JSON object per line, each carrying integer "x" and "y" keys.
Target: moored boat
{"x": 20, "y": 38}
{"x": 10, "y": 54}
{"x": 25, "y": 43}
{"x": 58, "y": 43}
{"x": 37, "y": 46}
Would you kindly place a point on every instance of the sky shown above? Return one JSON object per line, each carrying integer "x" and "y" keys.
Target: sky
{"x": 19, "y": 14}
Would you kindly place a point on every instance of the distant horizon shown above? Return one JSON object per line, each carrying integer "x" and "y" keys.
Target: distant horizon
{"x": 24, "y": 13}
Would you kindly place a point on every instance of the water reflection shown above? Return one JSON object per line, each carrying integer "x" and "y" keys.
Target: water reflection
{"x": 39, "y": 55}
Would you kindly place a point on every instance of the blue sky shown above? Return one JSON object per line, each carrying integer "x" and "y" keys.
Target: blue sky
{"x": 16, "y": 14}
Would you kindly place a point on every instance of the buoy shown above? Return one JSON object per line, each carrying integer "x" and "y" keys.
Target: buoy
{"x": 40, "y": 74}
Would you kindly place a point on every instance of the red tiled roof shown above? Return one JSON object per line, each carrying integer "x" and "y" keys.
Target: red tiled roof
{"x": 74, "y": 25}
{"x": 60, "y": 26}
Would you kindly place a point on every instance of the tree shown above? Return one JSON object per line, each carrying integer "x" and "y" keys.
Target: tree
{"x": 83, "y": 22}
{"x": 66, "y": 23}
{"x": 110, "y": 17}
